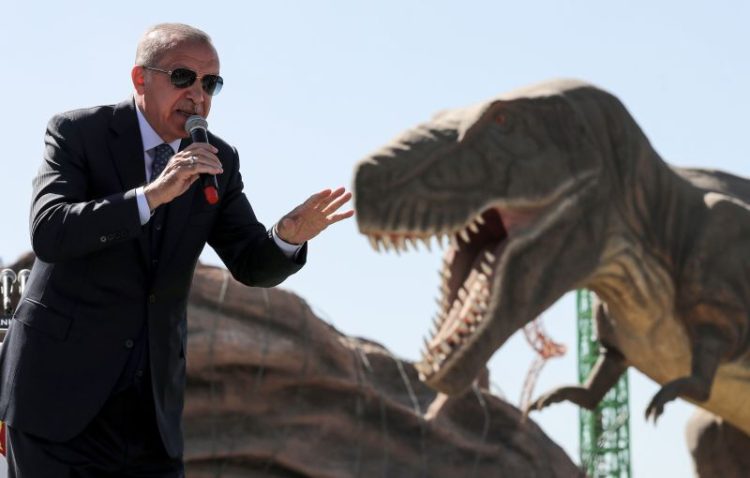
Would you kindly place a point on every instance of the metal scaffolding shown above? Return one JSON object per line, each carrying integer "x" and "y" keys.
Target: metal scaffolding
{"x": 604, "y": 432}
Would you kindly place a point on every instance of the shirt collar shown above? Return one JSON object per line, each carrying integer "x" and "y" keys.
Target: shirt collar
{"x": 151, "y": 138}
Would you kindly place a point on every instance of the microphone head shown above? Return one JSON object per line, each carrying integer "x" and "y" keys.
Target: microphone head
{"x": 195, "y": 121}
{"x": 8, "y": 274}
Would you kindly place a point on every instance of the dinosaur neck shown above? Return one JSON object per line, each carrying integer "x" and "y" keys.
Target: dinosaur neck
{"x": 648, "y": 236}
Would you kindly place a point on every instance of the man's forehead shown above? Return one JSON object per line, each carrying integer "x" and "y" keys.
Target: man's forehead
{"x": 199, "y": 55}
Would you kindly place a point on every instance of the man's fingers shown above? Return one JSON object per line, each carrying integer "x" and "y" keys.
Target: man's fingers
{"x": 316, "y": 199}
{"x": 333, "y": 206}
{"x": 338, "y": 217}
{"x": 331, "y": 197}
{"x": 201, "y": 147}
{"x": 198, "y": 159}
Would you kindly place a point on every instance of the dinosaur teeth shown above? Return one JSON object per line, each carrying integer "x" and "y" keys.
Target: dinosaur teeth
{"x": 489, "y": 256}
{"x": 426, "y": 241}
{"x": 374, "y": 243}
{"x": 387, "y": 244}
{"x": 485, "y": 268}
{"x": 479, "y": 219}
{"x": 464, "y": 235}
{"x": 474, "y": 228}
{"x": 424, "y": 369}
{"x": 454, "y": 242}
{"x": 400, "y": 244}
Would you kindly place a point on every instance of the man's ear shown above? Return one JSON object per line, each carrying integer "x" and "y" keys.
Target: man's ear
{"x": 137, "y": 75}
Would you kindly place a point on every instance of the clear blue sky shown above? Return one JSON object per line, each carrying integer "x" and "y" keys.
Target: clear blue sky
{"x": 312, "y": 87}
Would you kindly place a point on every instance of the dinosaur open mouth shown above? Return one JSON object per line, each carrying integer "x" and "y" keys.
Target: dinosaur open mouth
{"x": 470, "y": 266}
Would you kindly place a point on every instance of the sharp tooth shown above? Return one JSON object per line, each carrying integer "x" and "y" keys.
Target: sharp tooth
{"x": 400, "y": 243}
{"x": 426, "y": 344}
{"x": 464, "y": 235}
{"x": 489, "y": 256}
{"x": 473, "y": 227}
{"x": 479, "y": 219}
{"x": 412, "y": 242}
{"x": 423, "y": 369}
{"x": 387, "y": 244}
{"x": 426, "y": 241}
{"x": 374, "y": 243}
{"x": 454, "y": 242}
{"x": 481, "y": 277}
{"x": 437, "y": 322}
{"x": 486, "y": 269}
{"x": 445, "y": 348}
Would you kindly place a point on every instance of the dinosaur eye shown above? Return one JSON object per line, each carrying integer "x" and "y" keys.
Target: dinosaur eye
{"x": 501, "y": 119}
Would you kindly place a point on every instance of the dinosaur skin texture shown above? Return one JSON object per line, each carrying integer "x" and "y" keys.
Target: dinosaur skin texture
{"x": 554, "y": 187}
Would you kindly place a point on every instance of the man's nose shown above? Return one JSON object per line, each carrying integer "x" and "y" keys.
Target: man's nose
{"x": 197, "y": 96}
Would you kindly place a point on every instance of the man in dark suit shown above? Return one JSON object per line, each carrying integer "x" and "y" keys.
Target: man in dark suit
{"x": 92, "y": 370}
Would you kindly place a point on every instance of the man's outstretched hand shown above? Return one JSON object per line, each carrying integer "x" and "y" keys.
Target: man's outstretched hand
{"x": 312, "y": 216}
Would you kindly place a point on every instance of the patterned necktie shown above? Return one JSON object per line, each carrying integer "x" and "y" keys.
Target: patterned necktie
{"x": 162, "y": 154}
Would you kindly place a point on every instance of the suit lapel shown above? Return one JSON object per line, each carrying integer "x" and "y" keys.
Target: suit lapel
{"x": 127, "y": 153}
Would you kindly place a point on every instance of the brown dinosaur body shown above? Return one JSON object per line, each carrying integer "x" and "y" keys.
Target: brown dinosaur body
{"x": 555, "y": 187}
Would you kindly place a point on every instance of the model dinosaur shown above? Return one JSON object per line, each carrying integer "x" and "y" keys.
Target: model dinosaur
{"x": 552, "y": 188}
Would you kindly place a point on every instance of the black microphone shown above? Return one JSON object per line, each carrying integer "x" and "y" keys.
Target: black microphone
{"x": 196, "y": 126}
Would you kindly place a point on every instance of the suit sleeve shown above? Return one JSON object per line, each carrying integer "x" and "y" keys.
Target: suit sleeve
{"x": 244, "y": 244}
{"x": 66, "y": 223}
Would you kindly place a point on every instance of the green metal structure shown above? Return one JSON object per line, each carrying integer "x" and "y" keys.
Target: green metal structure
{"x": 605, "y": 432}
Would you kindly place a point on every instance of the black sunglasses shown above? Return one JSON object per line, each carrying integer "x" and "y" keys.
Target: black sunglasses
{"x": 183, "y": 78}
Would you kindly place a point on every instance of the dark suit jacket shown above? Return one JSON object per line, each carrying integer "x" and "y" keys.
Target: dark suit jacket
{"x": 94, "y": 285}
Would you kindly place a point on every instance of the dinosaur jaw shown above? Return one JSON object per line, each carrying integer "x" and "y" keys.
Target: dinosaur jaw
{"x": 492, "y": 278}
{"x": 471, "y": 267}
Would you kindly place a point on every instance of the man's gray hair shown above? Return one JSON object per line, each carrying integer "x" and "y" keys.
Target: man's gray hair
{"x": 161, "y": 38}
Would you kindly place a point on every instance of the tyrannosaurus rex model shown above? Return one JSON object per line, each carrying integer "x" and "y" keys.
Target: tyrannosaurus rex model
{"x": 555, "y": 187}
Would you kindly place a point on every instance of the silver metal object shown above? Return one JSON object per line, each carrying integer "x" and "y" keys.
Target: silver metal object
{"x": 7, "y": 279}
{"x": 23, "y": 276}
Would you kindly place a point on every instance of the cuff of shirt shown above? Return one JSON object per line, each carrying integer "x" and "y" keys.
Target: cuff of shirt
{"x": 289, "y": 250}
{"x": 143, "y": 210}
